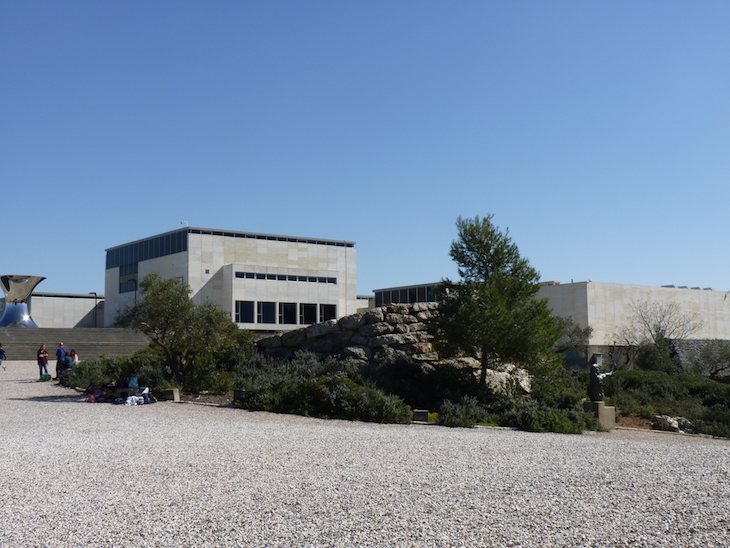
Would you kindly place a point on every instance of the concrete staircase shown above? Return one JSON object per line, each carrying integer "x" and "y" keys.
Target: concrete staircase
{"x": 22, "y": 343}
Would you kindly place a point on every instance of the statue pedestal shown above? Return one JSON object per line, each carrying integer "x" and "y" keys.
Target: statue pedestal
{"x": 606, "y": 415}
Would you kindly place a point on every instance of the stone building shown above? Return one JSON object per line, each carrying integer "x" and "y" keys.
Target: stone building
{"x": 266, "y": 282}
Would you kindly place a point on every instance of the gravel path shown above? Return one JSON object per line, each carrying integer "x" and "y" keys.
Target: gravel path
{"x": 80, "y": 474}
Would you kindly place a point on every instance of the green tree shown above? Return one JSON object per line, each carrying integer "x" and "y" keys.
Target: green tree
{"x": 713, "y": 359}
{"x": 492, "y": 313}
{"x": 573, "y": 343}
{"x": 187, "y": 334}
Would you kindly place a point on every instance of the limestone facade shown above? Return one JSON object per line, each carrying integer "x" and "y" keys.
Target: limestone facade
{"x": 607, "y": 307}
{"x": 265, "y": 282}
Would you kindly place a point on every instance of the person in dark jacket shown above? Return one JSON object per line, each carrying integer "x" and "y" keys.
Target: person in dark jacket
{"x": 60, "y": 360}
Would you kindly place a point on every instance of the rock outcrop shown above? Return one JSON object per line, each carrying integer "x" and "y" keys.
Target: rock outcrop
{"x": 400, "y": 327}
{"x": 394, "y": 328}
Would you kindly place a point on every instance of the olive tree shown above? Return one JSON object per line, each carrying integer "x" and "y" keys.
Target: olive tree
{"x": 187, "y": 334}
{"x": 492, "y": 312}
{"x": 652, "y": 327}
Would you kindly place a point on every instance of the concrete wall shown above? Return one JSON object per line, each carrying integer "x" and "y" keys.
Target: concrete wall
{"x": 607, "y": 308}
{"x": 58, "y": 310}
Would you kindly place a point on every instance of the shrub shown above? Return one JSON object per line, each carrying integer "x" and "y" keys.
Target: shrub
{"x": 690, "y": 395}
{"x": 319, "y": 388}
{"x": 534, "y": 416}
{"x": 467, "y": 413}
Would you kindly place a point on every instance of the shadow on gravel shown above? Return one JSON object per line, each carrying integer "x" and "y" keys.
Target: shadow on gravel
{"x": 73, "y": 398}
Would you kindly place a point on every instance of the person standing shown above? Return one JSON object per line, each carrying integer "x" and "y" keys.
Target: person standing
{"x": 3, "y": 356}
{"x": 43, "y": 360}
{"x": 60, "y": 360}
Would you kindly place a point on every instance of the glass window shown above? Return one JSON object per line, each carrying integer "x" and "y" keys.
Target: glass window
{"x": 327, "y": 312}
{"x": 412, "y": 295}
{"x": 266, "y": 312}
{"x": 244, "y": 311}
{"x": 307, "y": 314}
{"x": 288, "y": 313}
{"x": 129, "y": 285}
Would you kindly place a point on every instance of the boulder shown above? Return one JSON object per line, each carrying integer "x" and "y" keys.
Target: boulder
{"x": 358, "y": 352}
{"x": 671, "y": 424}
{"x": 330, "y": 343}
{"x": 270, "y": 342}
{"x": 293, "y": 339}
{"x": 319, "y": 329}
{"x": 352, "y": 322}
{"x": 375, "y": 329}
{"x": 374, "y": 315}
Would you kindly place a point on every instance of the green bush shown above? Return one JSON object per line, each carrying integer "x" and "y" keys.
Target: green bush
{"x": 103, "y": 371}
{"x": 534, "y": 416}
{"x": 466, "y": 413}
{"x": 702, "y": 401}
{"x": 318, "y": 388}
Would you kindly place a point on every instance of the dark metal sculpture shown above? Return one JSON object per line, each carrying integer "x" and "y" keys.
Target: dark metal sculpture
{"x": 595, "y": 385}
{"x": 17, "y": 291}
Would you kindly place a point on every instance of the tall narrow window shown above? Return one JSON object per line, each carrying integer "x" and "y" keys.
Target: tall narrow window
{"x": 244, "y": 311}
{"x": 288, "y": 313}
{"x": 307, "y": 314}
{"x": 327, "y": 312}
{"x": 266, "y": 312}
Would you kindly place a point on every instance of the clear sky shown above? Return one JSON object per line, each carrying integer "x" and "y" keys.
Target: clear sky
{"x": 597, "y": 132}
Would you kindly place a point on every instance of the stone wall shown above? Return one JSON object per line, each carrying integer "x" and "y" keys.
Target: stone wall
{"x": 400, "y": 327}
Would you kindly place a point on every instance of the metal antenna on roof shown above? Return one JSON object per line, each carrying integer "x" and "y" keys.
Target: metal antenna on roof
{"x": 184, "y": 223}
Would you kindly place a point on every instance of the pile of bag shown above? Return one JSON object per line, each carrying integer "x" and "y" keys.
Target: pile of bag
{"x": 110, "y": 393}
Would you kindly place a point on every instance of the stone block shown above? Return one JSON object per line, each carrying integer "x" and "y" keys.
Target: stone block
{"x": 420, "y": 415}
{"x": 172, "y": 394}
{"x": 605, "y": 414}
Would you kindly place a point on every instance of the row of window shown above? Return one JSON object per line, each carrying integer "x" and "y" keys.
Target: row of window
{"x": 418, "y": 294}
{"x": 271, "y": 237}
{"x": 160, "y": 246}
{"x": 264, "y": 312}
{"x": 286, "y": 277}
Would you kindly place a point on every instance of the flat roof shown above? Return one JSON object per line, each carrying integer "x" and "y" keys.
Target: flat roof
{"x": 237, "y": 234}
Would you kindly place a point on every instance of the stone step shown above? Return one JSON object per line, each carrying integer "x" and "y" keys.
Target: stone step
{"x": 22, "y": 343}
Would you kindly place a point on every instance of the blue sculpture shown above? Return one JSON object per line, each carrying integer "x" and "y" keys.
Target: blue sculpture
{"x": 17, "y": 291}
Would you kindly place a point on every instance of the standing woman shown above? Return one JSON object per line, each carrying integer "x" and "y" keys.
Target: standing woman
{"x": 43, "y": 360}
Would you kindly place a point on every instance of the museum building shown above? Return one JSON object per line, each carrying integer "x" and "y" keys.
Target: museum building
{"x": 265, "y": 282}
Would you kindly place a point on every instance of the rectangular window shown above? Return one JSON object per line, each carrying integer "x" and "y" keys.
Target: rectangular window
{"x": 412, "y": 295}
{"x": 307, "y": 314}
{"x": 129, "y": 285}
{"x": 327, "y": 312}
{"x": 288, "y": 313}
{"x": 266, "y": 312}
{"x": 244, "y": 311}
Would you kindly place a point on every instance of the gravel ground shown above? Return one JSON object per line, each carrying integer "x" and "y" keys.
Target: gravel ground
{"x": 178, "y": 474}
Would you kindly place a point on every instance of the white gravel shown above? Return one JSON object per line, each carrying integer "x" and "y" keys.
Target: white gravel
{"x": 80, "y": 474}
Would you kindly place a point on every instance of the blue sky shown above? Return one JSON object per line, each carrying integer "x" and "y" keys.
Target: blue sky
{"x": 597, "y": 132}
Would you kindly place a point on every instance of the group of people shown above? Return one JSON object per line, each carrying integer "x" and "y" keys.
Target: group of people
{"x": 64, "y": 360}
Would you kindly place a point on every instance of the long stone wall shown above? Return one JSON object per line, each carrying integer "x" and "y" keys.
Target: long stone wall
{"x": 400, "y": 327}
